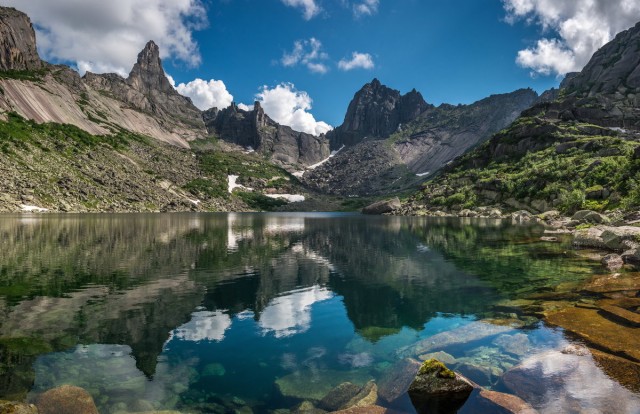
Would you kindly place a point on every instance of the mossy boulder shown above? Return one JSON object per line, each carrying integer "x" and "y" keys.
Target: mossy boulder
{"x": 438, "y": 389}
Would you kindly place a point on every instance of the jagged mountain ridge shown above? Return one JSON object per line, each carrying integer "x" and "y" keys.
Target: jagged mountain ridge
{"x": 257, "y": 130}
{"x": 580, "y": 149}
{"x": 420, "y": 138}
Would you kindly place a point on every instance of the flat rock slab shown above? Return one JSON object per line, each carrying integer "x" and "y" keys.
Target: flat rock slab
{"x": 506, "y": 403}
{"x": 627, "y": 373}
{"x": 474, "y": 331}
{"x": 617, "y": 282}
{"x": 397, "y": 380}
{"x": 599, "y": 331}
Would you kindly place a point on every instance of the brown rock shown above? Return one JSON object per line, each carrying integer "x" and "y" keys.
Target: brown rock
{"x": 338, "y": 397}
{"x": 507, "y": 402}
{"x": 438, "y": 389}
{"x": 613, "y": 261}
{"x": 17, "y": 41}
{"x": 396, "y": 382}
{"x": 372, "y": 409}
{"x": 11, "y": 407}
{"x": 382, "y": 207}
{"x": 67, "y": 399}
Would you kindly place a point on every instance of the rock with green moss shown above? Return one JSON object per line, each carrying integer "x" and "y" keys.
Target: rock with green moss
{"x": 438, "y": 389}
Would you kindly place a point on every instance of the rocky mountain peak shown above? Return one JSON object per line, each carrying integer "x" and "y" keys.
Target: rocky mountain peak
{"x": 17, "y": 41}
{"x": 376, "y": 111}
{"x": 147, "y": 74}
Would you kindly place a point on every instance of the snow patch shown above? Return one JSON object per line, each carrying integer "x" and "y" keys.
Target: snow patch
{"x": 292, "y": 198}
{"x": 233, "y": 184}
{"x": 617, "y": 129}
{"x": 298, "y": 174}
{"x": 31, "y": 209}
{"x": 423, "y": 174}
{"x": 333, "y": 154}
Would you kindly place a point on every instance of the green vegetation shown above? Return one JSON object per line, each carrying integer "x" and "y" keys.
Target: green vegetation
{"x": 260, "y": 202}
{"x": 25, "y": 75}
{"x": 433, "y": 366}
{"x": 17, "y": 132}
{"x": 570, "y": 166}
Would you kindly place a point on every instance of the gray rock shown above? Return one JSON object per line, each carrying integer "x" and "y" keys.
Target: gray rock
{"x": 17, "y": 42}
{"x": 396, "y": 381}
{"x": 591, "y": 237}
{"x": 618, "y": 238}
{"x": 588, "y": 216}
{"x": 382, "y": 207}
{"x": 613, "y": 261}
{"x": 522, "y": 216}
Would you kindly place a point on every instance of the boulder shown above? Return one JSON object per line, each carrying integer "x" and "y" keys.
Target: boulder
{"x": 382, "y": 207}
{"x": 591, "y": 237}
{"x": 495, "y": 213}
{"x": 372, "y": 409}
{"x": 438, "y": 389}
{"x": 621, "y": 238}
{"x": 521, "y": 216}
{"x": 67, "y": 399}
{"x": 307, "y": 407}
{"x": 11, "y": 407}
{"x": 588, "y": 216}
{"x": 613, "y": 261}
{"x": 338, "y": 397}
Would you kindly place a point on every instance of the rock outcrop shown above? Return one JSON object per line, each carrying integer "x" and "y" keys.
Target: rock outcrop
{"x": 147, "y": 89}
{"x": 17, "y": 42}
{"x": 407, "y": 141}
{"x": 256, "y": 130}
{"x": 376, "y": 111}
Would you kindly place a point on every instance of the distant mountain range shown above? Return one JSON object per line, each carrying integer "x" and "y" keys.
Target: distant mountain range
{"x": 102, "y": 142}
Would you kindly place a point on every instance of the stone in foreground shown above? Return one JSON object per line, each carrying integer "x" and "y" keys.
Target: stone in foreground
{"x": 437, "y": 389}
{"x": 10, "y": 407}
{"x": 66, "y": 399}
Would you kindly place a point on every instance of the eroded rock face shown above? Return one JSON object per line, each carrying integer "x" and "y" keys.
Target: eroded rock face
{"x": 17, "y": 41}
{"x": 376, "y": 111}
{"x": 256, "y": 130}
{"x": 147, "y": 89}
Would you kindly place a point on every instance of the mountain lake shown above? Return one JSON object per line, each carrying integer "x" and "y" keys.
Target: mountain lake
{"x": 258, "y": 313}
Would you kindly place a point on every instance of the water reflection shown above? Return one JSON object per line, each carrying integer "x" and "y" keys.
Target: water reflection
{"x": 167, "y": 303}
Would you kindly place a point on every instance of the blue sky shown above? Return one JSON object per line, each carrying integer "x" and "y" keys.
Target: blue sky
{"x": 297, "y": 56}
{"x": 451, "y": 51}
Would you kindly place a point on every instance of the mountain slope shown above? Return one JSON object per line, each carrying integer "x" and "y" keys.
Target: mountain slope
{"x": 420, "y": 138}
{"x": 577, "y": 151}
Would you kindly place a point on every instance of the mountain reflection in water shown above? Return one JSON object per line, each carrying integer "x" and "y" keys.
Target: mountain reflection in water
{"x": 206, "y": 312}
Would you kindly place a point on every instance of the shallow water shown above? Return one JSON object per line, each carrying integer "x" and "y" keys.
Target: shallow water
{"x": 221, "y": 312}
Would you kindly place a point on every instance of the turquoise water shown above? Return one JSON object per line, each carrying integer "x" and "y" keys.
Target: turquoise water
{"x": 258, "y": 312}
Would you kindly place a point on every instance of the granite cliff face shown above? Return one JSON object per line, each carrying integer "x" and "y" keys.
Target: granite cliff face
{"x": 375, "y": 112}
{"x": 578, "y": 148}
{"x": 17, "y": 42}
{"x": 255, "y": 129}
{"x": 420, "y": 138}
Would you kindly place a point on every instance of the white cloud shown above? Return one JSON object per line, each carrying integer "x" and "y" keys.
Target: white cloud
{"x": 104, "y": 36}
{"x": 309, "y": 8}
{"x": 366, "y": 8}
{"x": 577, "y": 29}
{"x": 204, "y": 326}
{"x": 289, "y": 315}
{"x": 357, "y": 61}
{"x": 245, "y": 107}
{"x": 288, "y": 106}
{"x": 206, "y": 94}
{"x": 308, "y": 53}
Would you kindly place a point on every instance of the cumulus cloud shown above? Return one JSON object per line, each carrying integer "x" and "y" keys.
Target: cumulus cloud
{"x": 576, "y": 30}
{"x": 206, "y": 94}
{"x": 366, "y": 8}
{"x": 308, "y": 53}
{"x": 357, "y": 61}
{"x": 288, "y": 106}
{"x": 106, "y": 36}
{"x": 310, "y": 8}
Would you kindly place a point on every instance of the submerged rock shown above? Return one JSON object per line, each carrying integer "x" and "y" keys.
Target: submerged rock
{"x": 438, "y": 389}
{"x": 338, "y": 397}
{"x": 67, "y": 399}
{"x": 10, "y": 407}
{"x": 505, "y": 403}
{"x": 398, "y": 379}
